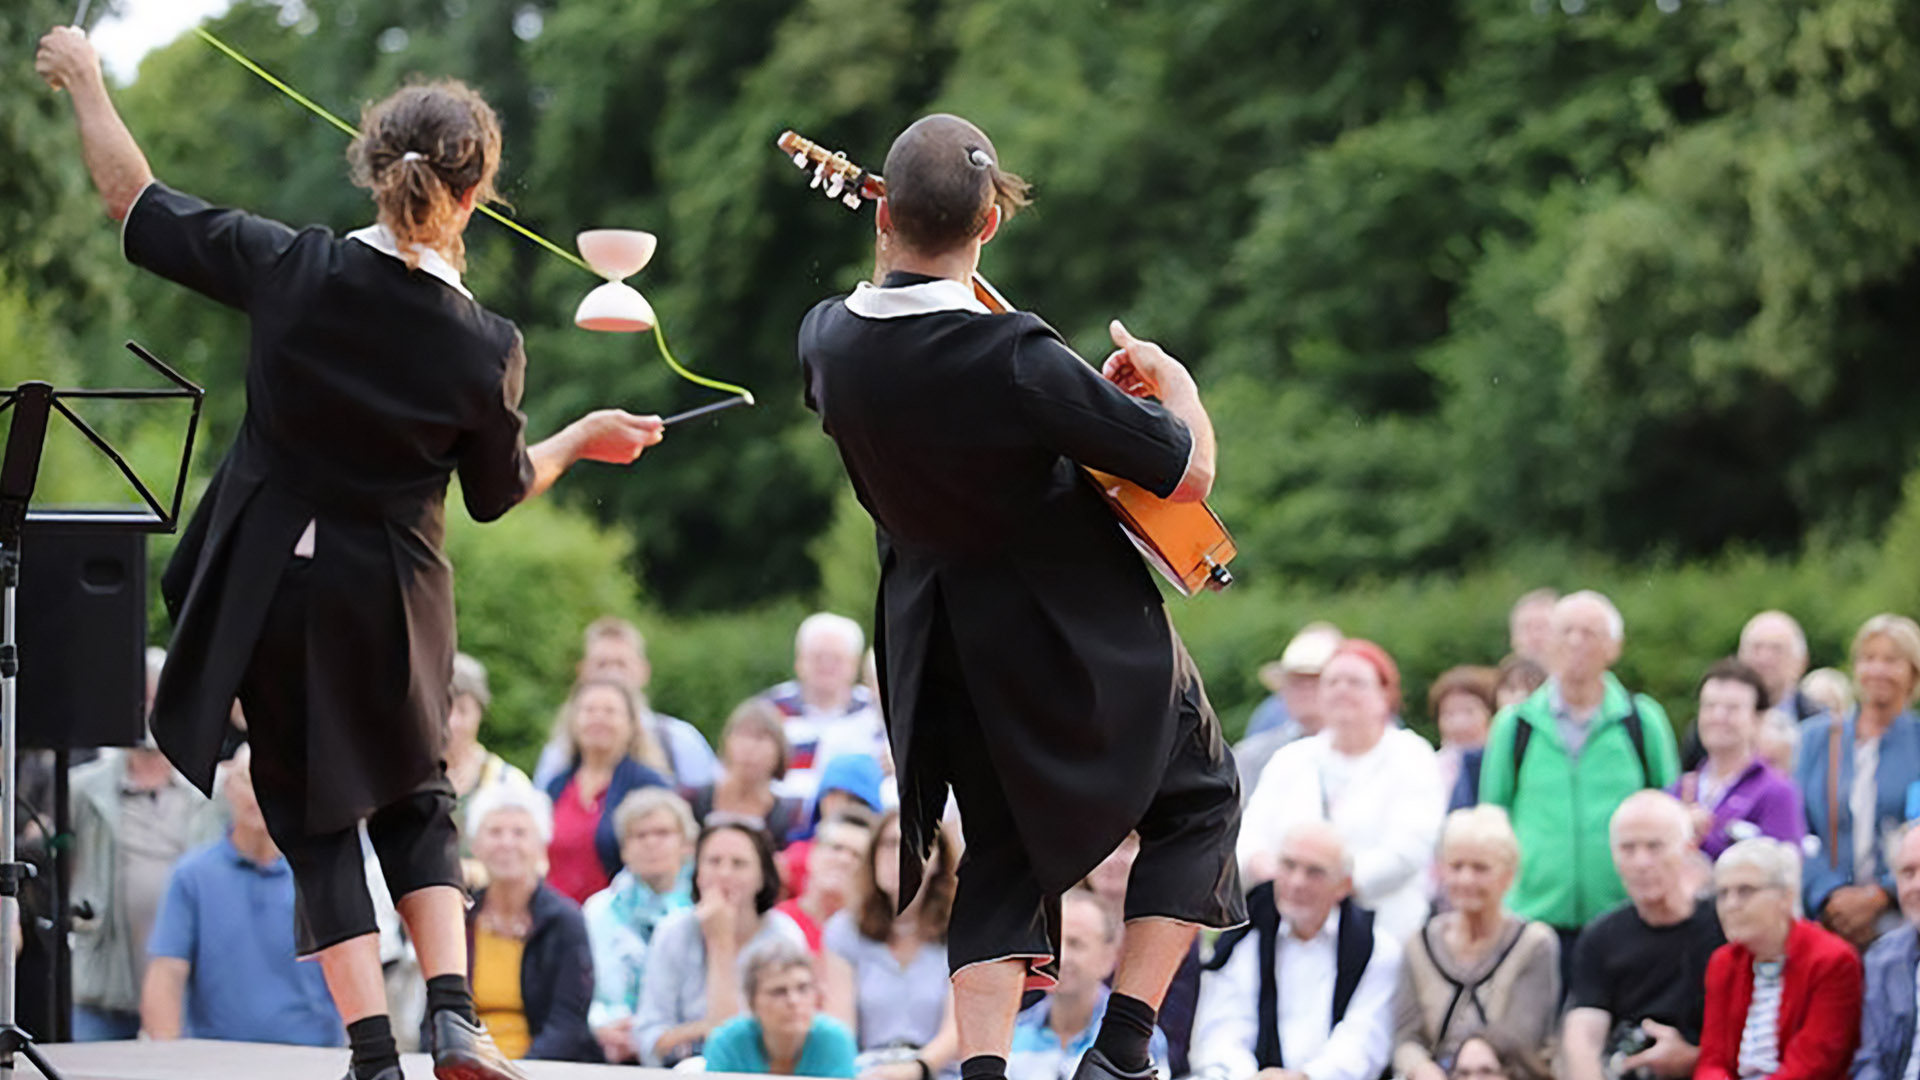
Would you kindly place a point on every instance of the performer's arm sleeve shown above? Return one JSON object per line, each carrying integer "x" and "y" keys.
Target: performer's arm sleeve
{"x": 222, "y": 254}
{"x": 495, "y": 471}
{"x": 1362, "y": 1042}
{"x": 1224, "y": 1022}
{"x": 1084, "y": 417}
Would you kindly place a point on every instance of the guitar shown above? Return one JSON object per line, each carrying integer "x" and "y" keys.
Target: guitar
{"x": 1186, "y": 542}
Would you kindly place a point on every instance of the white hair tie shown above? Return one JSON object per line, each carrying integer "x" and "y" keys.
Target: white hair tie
{"x": 413, "y": 155}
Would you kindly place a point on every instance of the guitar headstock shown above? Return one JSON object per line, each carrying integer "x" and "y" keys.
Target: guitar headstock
{"x": 833, "y": 175}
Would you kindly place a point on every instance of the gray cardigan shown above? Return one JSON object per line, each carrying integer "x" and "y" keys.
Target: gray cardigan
{"x": 1511, "y": 995}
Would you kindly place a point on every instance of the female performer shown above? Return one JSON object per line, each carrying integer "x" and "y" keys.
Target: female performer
{"x": 310, "y": 583}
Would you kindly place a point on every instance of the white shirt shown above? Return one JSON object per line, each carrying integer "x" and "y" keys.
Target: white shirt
{"x": 1226, "y": 1023}
{"x": 1387, "y": 804}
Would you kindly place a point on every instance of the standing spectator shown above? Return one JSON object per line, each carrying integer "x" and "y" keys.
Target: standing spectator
{"x": 531, "y": 967}
{"x": 1773, "y": 644}
{"x": 1109, "y": 881}
{"x": 1376, "y": 783}
{"x": 1561, "y": 762}
{"x": 1856, "y": 772}
{"x": 1461, "y": 703}
{"x": 614, "y": 649}
{"x": 753, "y": 755}
{"x": 692, "y": 980}
{"x": 840, "y": 847}
{"x": 1639, "y": 972}
{"x": 1734, "y": 795}
{"x": 828, "y": 712}
{"x": 221, "y": 959}
{"x": 1053, "y": 1033}
{"x": 885, "y": 969}
{"x": 609, "y": 748}
{"x": 1530, "y": 625}
{"x": 133, "y": 818}
{"x": 657, "y": 831}
{"x": 1518, "y": 678}
{"x": 471, "y": 767}
{"x": 1783, "y": 995}
{"x": 1477, "y": 969}
{"x": 1307, "y": 989}
{"x": 1887, "y": 1043}
{"x": 1293, "y": 709}
{"x": 783, "y": 1032}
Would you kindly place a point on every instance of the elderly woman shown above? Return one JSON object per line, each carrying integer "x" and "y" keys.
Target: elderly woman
{"x": 1783, "y": 995}
{"x": 1375, "y": 782}
{"x": 691, "y": 984}
{"x": 612, "y": 755}
{"x": 1477, "y": 969}
{"x": 886, "y": 969}
{"x": 784, "y": 1032}
{"x": 1734, "y": 795}
{"x": 532, "y": 970}
{"x": 657, "y": 832}
{"x": 1854, "y": 772}
{"x": 753, "y": 754}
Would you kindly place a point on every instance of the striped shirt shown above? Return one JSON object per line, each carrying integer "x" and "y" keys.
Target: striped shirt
{"x": 1760, "y": 1039}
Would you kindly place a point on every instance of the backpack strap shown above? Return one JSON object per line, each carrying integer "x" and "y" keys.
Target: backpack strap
{"x": 1522, "y": 735}
{"x": 1638, "y": 733}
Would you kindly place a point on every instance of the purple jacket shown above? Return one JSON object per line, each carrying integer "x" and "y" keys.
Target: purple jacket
{"x": 1761, "y": 802}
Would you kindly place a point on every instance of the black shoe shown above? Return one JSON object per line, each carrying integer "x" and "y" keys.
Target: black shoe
{"x": 1095, "y": 1066}
{"x": 463, "y": 1051}
{"x": 391, "y": 1072}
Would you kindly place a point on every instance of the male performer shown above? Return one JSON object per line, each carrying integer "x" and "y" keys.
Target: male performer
{"x": 1026, "y": 658}
{"x": 310, "y": 582}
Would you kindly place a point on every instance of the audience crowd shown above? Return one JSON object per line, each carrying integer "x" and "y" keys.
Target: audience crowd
{"x": 1563, "y": 883}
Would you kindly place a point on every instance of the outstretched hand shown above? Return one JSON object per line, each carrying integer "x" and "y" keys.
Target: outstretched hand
{"x": 616, "y": 436}
{"x": 66, "y": 58}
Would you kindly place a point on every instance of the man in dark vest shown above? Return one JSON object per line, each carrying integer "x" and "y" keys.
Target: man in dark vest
{"x": 1026, "y": 658}
{"x": 1305, "y": 992}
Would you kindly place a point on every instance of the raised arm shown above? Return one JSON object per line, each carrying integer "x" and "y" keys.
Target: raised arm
{"x": 1141, "y": 367}
{"x": 66, "y": 60}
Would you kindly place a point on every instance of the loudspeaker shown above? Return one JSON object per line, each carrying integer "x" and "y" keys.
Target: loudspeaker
{"x": 81, "y": 624}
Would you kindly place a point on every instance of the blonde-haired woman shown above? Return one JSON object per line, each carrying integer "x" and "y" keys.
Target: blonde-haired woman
{"x": 1477, "y": 969}
{"x": 612, "y": 754}
{"x": 1855, "y": 772}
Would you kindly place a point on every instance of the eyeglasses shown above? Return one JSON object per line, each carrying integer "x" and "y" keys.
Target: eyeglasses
{"x": 1740, "y": 894}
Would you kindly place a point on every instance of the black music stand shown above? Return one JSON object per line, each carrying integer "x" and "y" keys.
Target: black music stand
{"x": 32, "y": 405}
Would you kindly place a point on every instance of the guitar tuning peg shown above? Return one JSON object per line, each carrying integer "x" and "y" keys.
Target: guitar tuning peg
{"x": 835, "y": 185}
{"x": 852, "y": 199}
{"x": 819, "y": 176}
{"x": 800, "y": 159}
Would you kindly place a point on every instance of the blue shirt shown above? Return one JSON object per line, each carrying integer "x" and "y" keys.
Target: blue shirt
{"x": 231, "y": 920}
{"x": 735, "y": 1047}
{"x": 1040, "y": 1054}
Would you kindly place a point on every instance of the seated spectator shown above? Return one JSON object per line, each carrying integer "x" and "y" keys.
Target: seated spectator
{"x": 1477, "y": 969}
{"x": 1108, "y": 881}
{"x": 471, "y": 767}
{"x": 221, "y": 959}
{"x": 609, "y": 758}
{"x": 1375, "y": 782}
{"x": 531, "y": 968}
{"x": 1292, "y": 711}
{"x": 692, "y": 979}
{"x": 1479, "y": 1059}
{"x": 849, "y": 787}
{"x": 783, "y": 1033}
{"x": 1829, "y": 690}
{"x": 1856, "y": 772}
{"x": 1461, "y": 703}
{"x": 1893, "y": 964}
{"x": 614, "y": 649}
{"x": 828, "y": 713}
{"x": 753, "y": 754}
{"x": 656, "y": 832}
{"x": 1783, "y": 995}
{"x": 1639, "y": 971}
{"x": 1517, "y": 679}
{"x": 1052, "y": 1034}
{"x": 834, "y": 859}
{"x": 1307, "y": 989}
{"x": 886, "y": 973}
{"x": 1530, "y": 625}
{"x": 1734, "y": 795}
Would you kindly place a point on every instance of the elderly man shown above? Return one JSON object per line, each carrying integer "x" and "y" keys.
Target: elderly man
{"x": 1638, "y": 988}
{"x": 1293, "y": 710}
{"x": 1530, "y": 625}
{"x": 1888, "y": 1049}
{"x": 1773, "y": 644}
{"x": 1561, "y": 761}
{"x": 827, "y": 709}
{"x": 1053, "y": 1033}
{"x": 1306, "y": 992}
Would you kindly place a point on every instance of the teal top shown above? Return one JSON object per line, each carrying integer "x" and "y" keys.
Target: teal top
{"x": 735, "y": 1047}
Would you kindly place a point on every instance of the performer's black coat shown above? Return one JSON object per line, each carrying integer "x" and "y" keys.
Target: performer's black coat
{"x": 960, "y": 431}
{"x": 368, "y": 385}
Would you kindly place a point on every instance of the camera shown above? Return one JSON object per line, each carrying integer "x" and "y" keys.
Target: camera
{"x": 1626, "y": 1040}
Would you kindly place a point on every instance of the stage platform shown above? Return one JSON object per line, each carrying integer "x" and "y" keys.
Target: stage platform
{"x": 197, "y": 1059}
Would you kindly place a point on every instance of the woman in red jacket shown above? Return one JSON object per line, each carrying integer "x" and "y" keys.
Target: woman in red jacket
{"x": 1783, "y": 994}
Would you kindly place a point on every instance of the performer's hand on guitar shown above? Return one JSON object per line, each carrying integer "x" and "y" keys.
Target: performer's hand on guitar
{"x": 66, "y": 58}
{"x": 1142, "y": 368}
{"x": 616, "y": 436}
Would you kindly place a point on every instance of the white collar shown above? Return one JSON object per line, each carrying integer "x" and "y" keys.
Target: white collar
{"x": 380, "y": 238}
{"x": 1329, "y": 930}
{"x": 870, "y": 301}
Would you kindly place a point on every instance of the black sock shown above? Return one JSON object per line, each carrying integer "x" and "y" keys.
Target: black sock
{"x": 1125, "y": 1032}
{"x": 450, "y": 993}
{"x": 984, "y": 1067}
{"x": 371, "y": 1040}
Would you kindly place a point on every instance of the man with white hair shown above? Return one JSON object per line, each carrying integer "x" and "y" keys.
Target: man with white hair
{"x": 1306, "y": 991}
{"x": 1773, "y": 644}
{"x": 1638, "y": 989}
{"x": 828, "y": 711}
{"x": 1888, "y": 1048}
{"x": 1561, "y": 761}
